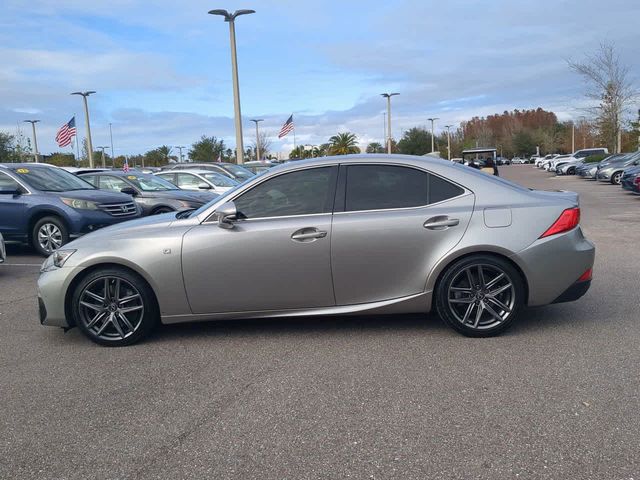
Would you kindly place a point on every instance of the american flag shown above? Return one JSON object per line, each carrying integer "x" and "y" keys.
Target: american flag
{"x": 66, "y": 133}
{"x": 287, "y": 127}
{"x": 125, "y": 167}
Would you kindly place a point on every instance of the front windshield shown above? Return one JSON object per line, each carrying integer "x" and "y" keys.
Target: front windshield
{"x": 51, "y": 179}
{"x": 219, "y": 180}
{"x": 238, "y": 171}
{"x": 150, "y": 183}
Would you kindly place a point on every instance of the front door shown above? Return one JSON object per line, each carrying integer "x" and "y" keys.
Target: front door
{"x": 276, "y": 257}
{"x": 13, "y": 209}
{"x": 396, "y": 223}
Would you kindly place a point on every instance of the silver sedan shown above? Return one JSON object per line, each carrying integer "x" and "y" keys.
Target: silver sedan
{"x": 369, "y": 234}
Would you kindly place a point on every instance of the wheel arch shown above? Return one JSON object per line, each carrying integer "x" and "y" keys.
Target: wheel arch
{"x": 39, "y": 215}
{"x": 98, "y": 266}
{"x": 438, "y": 272}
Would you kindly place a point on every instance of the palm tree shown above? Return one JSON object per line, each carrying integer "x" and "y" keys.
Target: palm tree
{"x": 375, "y": 147}
{"x": 343, "y": 144}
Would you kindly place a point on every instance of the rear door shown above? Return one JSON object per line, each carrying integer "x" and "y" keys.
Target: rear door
{"x": 391, "y": 224}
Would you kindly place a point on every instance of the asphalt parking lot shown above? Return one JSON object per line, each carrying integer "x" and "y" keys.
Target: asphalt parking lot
{"x": 400, "y": 397}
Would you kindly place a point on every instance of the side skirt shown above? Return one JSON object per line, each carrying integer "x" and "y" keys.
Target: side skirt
{"x": 418, "y": 303}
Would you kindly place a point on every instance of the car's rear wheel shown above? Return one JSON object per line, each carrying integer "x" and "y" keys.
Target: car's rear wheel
{"x": 48, "y": 235}
{"x": 616, "y": 178}
{"x": 480, "y": 295}
{"x": 114, "y": 307}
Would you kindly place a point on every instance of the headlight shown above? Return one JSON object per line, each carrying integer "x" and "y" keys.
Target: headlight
{"x": 79, "y": 204}
{"x": 56, "y": 260}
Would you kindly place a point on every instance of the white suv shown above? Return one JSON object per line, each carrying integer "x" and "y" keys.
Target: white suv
{"x": 577, "y": 157}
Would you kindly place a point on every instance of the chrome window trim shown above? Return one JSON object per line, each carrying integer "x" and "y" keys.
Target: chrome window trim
{"x": 209, "y": 214}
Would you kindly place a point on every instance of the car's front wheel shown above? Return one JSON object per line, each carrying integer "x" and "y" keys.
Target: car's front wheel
{"x": 616, "y": 178}
{"x": 48, "y": 235}
{"x": 480, "y": 295}
{"x": 114, "y": 307}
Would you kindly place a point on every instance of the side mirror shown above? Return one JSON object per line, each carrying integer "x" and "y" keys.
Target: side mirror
{"x": 226, "y": 215}
{"x": 129, "y": 191}
{"x": 204, "y": 186}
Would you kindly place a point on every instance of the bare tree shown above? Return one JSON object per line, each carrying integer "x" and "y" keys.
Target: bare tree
{"x": 265, "y": 144}
{"x": 610, "y": 90}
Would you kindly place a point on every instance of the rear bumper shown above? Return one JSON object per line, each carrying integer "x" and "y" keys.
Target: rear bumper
{"x": 553, "y": 265}
{"x": 574, "y": 292}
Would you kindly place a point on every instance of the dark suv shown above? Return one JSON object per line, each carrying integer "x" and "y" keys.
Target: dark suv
{"x": 46, "y": 206}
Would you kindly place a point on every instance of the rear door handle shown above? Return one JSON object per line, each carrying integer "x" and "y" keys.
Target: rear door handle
{"x": 307, "y": 235}
{"x": 440, "y": 223}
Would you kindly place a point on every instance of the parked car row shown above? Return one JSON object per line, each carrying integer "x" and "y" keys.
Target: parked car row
{"x": 47, "y": 206}
{"x": 618, "y": 169}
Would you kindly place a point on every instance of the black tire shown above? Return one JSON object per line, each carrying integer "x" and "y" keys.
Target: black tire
{"x": 571, "y": 171}
{"x": 55, "y": 229}
{"x": 450, "y": 309}
{"x": 148, "y": 314}
{"x": 616, "y": 178}
{"x": 160, "y": 210}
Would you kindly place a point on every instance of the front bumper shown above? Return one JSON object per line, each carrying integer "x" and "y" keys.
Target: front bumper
{"x": 87, "y": 221}
{"x": 52, "y": 289}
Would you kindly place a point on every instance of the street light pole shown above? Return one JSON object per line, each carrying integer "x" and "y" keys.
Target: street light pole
{"x": 432, "y": 120}
{"x": 573, "y": 136}
{"x": 388, "y": 97}
{"x": 86, "y": 117}
{"x": 180, "y": 147}
{"x": 230, "y": 18}
{"x": 448, "y": 127}
{"x": 35, "y": 139}
{"x": 257, "y": 121}
{"x": 103, "y": 161}
{"x": 113, "y": 153}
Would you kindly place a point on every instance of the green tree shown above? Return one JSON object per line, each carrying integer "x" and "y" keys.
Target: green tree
{"x": 61, "y": 159}
{"x": 415, "y": 141}
{"x": 207, "y": 149}
{"x": 156, "y": 157}
{"x": 375, "y": 147}
{"x": 7, "y": 145}
{"x": 343, "y": 144}
{"x": 523, "y": 143}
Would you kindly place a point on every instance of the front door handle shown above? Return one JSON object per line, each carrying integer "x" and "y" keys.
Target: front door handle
{"x": 441, "y": 222}
{"x": 307, "y": 235}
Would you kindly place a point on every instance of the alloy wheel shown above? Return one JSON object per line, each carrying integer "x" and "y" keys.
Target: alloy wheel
{"x": 49, "y": 237}
{"x": 111, "y": 308}
{"x": 481, "y": 296}
{"x": 617, "y": 178}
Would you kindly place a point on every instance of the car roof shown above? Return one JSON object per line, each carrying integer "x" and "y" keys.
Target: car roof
{"x": 199, "y": 171}
{"x": 11, "y": 166}
{"x": 117, "y": 173}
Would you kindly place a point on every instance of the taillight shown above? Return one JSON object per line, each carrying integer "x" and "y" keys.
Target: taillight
{"x": 637, "y": 180}
{"x": 567, "y": 220}
{"x": 586, "y": 275}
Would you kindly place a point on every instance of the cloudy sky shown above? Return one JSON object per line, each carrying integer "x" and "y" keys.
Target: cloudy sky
{"x": 162, "y": 68}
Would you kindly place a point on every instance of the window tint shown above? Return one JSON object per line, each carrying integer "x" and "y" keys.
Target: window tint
{"x": 8, "y": 183}
{"x": 112, "y": 183}
{"x": 374, "y": 187}
{"x": 441, "y": 189}
{"x": 170, "y": 177}
{"x": 377, "y": 187}
{"x": 297, "y": 193}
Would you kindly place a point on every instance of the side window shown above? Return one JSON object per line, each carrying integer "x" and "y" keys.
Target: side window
{"x": 8, "y": 183}
{"x": 91, "y": 179}
{"x": 376, "y": 187}
{"x": 170, "y": 177}
{"x": 441, "y": 189}
{"x": 297, "y": 193}
{"x": 379, "y": 187}
{"x": 186, "y": 180}
{"x": 112, "y": 183}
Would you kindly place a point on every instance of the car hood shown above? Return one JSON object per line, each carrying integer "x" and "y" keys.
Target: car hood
{"x": 201, "y": 197}
{"x": 98, "y": 196}
{"x": 136, "y": 227}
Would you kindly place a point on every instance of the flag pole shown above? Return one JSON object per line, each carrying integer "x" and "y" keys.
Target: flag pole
{"x": 294, "y": 131}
